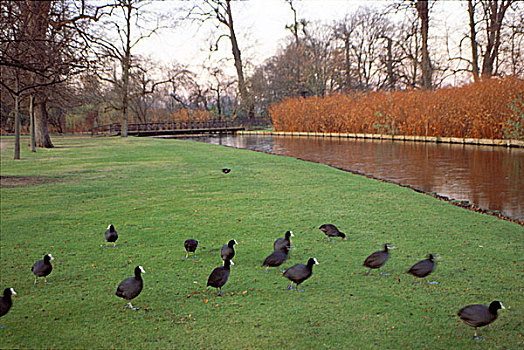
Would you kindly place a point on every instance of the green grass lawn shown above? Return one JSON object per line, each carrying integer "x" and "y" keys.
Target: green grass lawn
{"x": 158, "y": 193}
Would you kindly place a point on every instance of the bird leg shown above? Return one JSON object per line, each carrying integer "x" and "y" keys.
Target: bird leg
{"x": 367, "y": 273}
{"x": 219, "y": 293}
{"x": 290, "y": 287}
{"x": 45, "y": 281}
{"x": 187, "y": 255}
{"x": 36, "y": 282}
{"x": 114, "y": 244}
{"x": 129, "y": 306}
{"x": 267, "y": 269}
{"x": 476, "y": 337}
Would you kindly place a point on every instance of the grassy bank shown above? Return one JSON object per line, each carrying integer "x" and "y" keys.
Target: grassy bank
{"x": 158, "y": 193}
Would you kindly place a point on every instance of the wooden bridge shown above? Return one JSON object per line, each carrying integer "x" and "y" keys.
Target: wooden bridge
{"x": 216, "y": 126}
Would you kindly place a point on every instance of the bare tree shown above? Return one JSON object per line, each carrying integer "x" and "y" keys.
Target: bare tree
{"x": 129, "y": 22}
{"x": 39, "y": 49}
{"x": 343, "y": 31}
{"x": 220, "y": 85}
{"x": 492, "y": 13}
{"x": 220, "y": 11}
{"x": 318, "y": 68}
{"x": 512, "y": 47}
{"x": 427, "y": 70}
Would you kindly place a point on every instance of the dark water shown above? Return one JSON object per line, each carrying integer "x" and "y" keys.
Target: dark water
{"x": 490, "y": 177}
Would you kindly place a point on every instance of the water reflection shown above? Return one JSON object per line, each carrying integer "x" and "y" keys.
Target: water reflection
{"x": 490, "y": 177}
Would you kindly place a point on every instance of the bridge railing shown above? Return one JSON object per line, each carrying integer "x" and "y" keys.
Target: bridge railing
{"x": 212, "y": 124}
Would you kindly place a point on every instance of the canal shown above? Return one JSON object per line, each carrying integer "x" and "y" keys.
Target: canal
{"x": 489, "y": 177}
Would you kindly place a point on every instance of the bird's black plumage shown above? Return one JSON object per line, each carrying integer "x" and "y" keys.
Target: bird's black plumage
{"x": 226, "y": 170}
{"x": 285, "y": 242}
{"x": 228, "y": 252}
{"x": 331, "y": 230}
{"x": 5, "y": 301}
{"x": 423, "y": 267}
{"x": 277, "y": 258}
{"x": 377, "y": 259}
{"x": 42, "y": 268}
{"x": 478, "y": 315}
{"x": 219, "y": 276}
{"x": 300, "y": 272}
{"x": 191, "y": 246}
{"x": 131, "y": 287}
{"x": 111, "y": 235}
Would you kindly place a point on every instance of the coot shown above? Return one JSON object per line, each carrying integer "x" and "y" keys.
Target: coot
{"x": 300, "y": 272}
{"x": 377, "y": 259}
{"x": 5, "y": 301}
{"x": 111, "y": 235}
{"x": 42, "y": 268}
{"x": 478, "y": 315}
{"x": 228, "y": 252}
{"x": 424, "y": 267}
{"x": 191, "y": 246}
{"x": 219, "y": 276}
{"x": 276, "y": 258}
{"x": 283, "y": 242}
{"x": 131, "y": 287}
{"x": 331, "y": 231}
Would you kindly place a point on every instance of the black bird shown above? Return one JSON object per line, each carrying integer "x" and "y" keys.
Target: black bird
{"x": 42, "y": 268}
{"x": 283, "y": 242}
{"x": 276, "y": 258}
{"x": 226, "y": 170}
{"x": 191, "y": 246}
{"x": 299, "y": 273}
{"x": 478, "y": 315}
{"x": 228, "y": 252}
{"x": 331, "y": 231}
{"x": 131, "y": 287}
{"x": 424, "y": 267}
{"x": 219, "y": 276}
{"x": 377, "y": 259}
{"x": 5, "y": 301}
{"x": 111, "y": 235}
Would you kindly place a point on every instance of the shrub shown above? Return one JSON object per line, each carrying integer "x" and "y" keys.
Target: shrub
{"x": 490, "y": 108}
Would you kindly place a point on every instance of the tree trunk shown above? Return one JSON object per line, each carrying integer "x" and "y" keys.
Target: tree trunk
{"x": 392, "y": 81}
{"x": 427, "y": 70}
{"x": 474, "y": 44}
{"x": 17, "y": 126}
{"x": 125, "y": 73}
{"x": 495, "y": 15}
{"x": 32, "y": 122}
{"x": 42, "y": 138}
{"x": 245, "y": 98}
{"x": 347, "y": 62}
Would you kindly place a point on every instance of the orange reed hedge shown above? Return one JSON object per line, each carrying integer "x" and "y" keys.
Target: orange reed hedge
{"x": 485, "y": 109}
{"x": 192, "y": 115}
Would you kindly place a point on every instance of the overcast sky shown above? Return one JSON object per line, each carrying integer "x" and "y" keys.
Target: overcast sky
{"x": 260, "y": 27}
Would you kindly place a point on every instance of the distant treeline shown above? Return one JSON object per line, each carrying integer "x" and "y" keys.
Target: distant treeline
{"x": 491, "y": 108}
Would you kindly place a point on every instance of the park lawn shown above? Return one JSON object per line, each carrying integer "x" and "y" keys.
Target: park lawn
{"x": 158, "y": 193}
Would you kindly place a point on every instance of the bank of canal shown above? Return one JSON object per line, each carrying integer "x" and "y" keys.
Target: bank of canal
{"x": 479, "y": 177}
